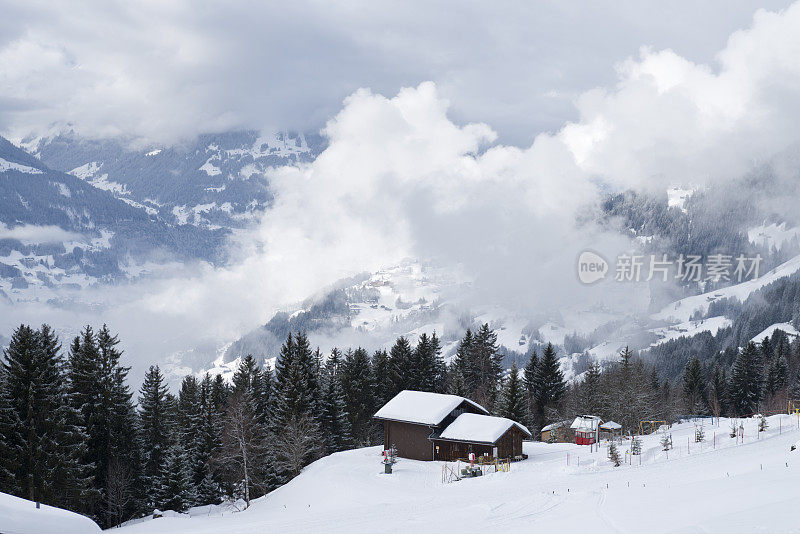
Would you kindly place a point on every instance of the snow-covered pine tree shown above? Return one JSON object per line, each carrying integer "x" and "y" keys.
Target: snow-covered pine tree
{"x": 42, "y": 445}
{"x": 747, "y": 381}
{"x": 699, "y": 433}
{"x": 762, "y": 423}
{"x": 334, "y": 422}
{"x": 175, "y": 489}
{"x": 154, "y": 408}
{"x": 513, "y": 398}
{"x": 613, "y": 454}
{"x": 636, "y": 445}
{"x": 666, "y": 442}
{"x": 549, "y": 384}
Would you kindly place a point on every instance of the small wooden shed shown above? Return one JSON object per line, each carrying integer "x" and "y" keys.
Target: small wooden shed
{"x": 558, "y": 432}
{"x": 484, "y": 435}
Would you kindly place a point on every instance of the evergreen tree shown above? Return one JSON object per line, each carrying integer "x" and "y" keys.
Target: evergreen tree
{"x": 694, "y": 386}
{"x": 382, "y": 372}
{"x": 42, "y": 445}
{"x": 401, "y": 366}
{"x": 295, "y": 407}
{"x": 529, "y": 372}
{"x": 98, "y": 391}
{"x": 175, "y": 489}
{"x": 613, "y": 454}
{"x": 486, "y": 367}
{"x": 513, "y": 400}
{"x": 358, "y": 386}
{"x": 746, "y": 388}
{"x": 590, "y": 391}
{"x": 549, "y": 384}
{"x": 154, "y": 415}
{"x": 718, "y": 392}
{"x": 190, "y": 431}
{"x": 335, "y": 425}
{"x": 245, "y": 374}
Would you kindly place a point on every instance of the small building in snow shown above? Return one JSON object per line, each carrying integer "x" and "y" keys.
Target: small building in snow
{"x": 610, "y": 430}
{"x": 558, "y": 432}
{"x": 587, "y": 428}
{"x": 435, "y": 426}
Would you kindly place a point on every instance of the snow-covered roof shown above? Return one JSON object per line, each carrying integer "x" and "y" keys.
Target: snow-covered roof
{"x": 610, "y": 425}
{"x": 422, "y": 407}
{"x": 21, "y": 515}
{"x": 551, "y": 426}
{"x": 586, "y": 422}
{"x": 479, "y": 428}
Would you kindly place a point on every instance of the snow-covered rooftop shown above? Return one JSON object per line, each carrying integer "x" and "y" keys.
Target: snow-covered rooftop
{"x": 557, "y": 424}
{"x": 610, "y": 425}
{"x": 422, "y": 407}
{"x": 479, "y": 428}
{"x": 586, "y": 422}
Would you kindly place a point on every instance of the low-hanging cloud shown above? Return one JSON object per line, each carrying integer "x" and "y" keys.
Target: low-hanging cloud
{"x": 401, "y": 179}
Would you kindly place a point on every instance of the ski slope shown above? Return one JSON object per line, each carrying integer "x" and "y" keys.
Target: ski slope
{"x": 681, "y": 311}
{"x": 20, "y": 516}
{"x": 721, "y": 485}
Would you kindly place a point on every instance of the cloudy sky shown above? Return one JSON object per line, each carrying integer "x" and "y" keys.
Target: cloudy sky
{"x": 165, "y": 70}
{"x": 469, "y": 135}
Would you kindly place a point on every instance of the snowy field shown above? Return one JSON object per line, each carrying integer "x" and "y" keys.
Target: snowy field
{"x": 721, "y": 485}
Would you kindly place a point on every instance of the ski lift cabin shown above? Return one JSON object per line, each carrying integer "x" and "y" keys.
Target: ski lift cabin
{"x": 586, "y": 429}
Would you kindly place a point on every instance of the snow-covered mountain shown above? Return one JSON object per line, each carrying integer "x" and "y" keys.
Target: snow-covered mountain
{"x": 214, "y": 181}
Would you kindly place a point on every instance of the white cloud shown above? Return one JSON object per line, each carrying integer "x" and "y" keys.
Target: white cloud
{"x": 165, "y": 70}
{"x": 401, "y": 177}
{"x": 31, "y": 233}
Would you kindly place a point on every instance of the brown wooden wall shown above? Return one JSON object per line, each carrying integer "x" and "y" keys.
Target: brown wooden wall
{"x": 411, "y": 440}
{"x": 508, "y": 446}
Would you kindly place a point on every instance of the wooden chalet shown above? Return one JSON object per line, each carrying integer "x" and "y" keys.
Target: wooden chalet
{"x": 435, "y": 426}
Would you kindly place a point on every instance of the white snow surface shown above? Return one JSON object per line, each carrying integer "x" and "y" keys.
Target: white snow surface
{"x": 773, "y": 234}
{"x": 20, "y": 516}
{"x": 676, "y": 197}
{"x": 689, "y": 329}
{"x": 683, "y": 309}
{"x": 421, "y": 407}
{"x": 768, "y": 331}
{"x": 719, "y": 485}
{"x": 6, "y": 165}
{"x": 479, "y": 428}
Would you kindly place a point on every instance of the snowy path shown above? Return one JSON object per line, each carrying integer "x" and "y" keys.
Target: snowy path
{"x": 732, "y": 488}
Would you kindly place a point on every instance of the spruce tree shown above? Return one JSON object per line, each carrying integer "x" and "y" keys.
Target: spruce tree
{"x": 513, "y": 399}
{"x": 382, "y": 372}
{"x": 549, "y": 383}
{"x": 486, "y": 366}
{"x": 358, "y": 386}
{"x": 175, "y": 489}
{"x": 529, "y": 372}
{"x": 295, "y": 408}
{"x": 403, "y": 374}
{"x": 746, "y": 388}
{"x": 334, "y": 422}
{"x": 694, "y": 386}
{"x": 154, "y": 414}
{"x": 43, "y": 446}
{"x": 590, "y": 391}
{"x": 98, "y": 391}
